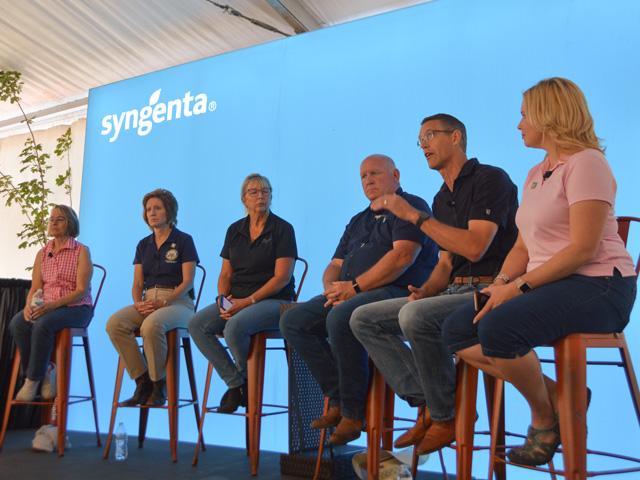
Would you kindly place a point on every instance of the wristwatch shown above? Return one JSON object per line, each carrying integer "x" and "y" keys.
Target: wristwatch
{"x": 522, "y": 285}
{"x": 422, "y": 217}
{"x": 356, "y": 287}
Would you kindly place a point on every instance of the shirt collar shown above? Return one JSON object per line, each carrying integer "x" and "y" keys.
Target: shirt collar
{"x": 268, "y": 226}
{"x": 468, "y": 168}
{"x": 70, "y": 244}
{"x": 171, "y": 238}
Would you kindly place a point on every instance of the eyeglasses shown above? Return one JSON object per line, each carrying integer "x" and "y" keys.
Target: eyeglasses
{"x": 57, "y": 220}
{"x": 428, "y": 136}
{"x": 254, "y": 192}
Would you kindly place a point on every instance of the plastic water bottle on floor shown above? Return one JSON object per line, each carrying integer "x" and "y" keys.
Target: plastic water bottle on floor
{"x": 122, "y": 448}
{"x": 404, "y": 473}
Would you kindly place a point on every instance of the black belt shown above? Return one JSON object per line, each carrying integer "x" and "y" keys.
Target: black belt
{"x": 166, "y": 287}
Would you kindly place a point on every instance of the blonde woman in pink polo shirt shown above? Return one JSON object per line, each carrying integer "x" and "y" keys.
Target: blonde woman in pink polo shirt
{"x": 60, "y": 297}
{"x": 568, "y": 271}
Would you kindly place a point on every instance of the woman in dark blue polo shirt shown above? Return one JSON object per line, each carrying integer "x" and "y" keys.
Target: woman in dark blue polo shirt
{"x": 162, "y": 291}
{"x": 256, "y": 277}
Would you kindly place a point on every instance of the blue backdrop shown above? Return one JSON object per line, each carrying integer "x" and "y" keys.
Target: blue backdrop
{"x": 305, "y": 111}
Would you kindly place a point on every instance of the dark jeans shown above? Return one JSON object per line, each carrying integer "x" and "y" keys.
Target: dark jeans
{"x": 576, "y": 304}
{"x": 35, "y": 340}
{"x": 340, "y": 364}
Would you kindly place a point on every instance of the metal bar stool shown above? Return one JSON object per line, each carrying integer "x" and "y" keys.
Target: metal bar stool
{"x": 571, "y": 363}
{"x": 255, "y": 387}
{"x": 174, "y": 403}
{"x": 62, "y": 355}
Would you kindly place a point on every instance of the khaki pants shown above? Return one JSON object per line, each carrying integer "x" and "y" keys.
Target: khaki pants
{"x": 153, "y": 329}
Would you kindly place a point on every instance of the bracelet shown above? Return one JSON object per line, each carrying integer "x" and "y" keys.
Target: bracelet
{"x": 504, "y": 277}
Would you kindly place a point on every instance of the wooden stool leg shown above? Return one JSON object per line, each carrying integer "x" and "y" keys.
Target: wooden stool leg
{"x": 173, "y": 382}
{"x": 188, "y": 359}
{"x": 92, "y": 388}
{"x": 63, "y": 358}
{"x": 114, "y": 407}
{"x": 255, "y": 381}
{"x": 205, "y": 399}
{"x": 375, "y": 408}
{"x": 466, "y": 390}
{"x": 387, "y": 418}
{"x": 323, "y": 436}
{"x": 143, "y": 420}
{"x": 496, "y": 391}
{"x": 571, "y": 371}
{"x": 10, "y": 394}
{"x": 632, "y": 381}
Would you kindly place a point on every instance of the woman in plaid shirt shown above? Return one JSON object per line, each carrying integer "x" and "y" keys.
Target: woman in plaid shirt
{"x": 60, "y": 297}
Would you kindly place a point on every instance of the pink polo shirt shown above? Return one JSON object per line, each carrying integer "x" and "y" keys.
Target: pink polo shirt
{"x": 543, "y": 216}
{"x": 60, "y": 272}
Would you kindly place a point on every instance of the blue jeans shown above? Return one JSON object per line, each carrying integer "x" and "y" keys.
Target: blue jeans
{"x": 206, "y": 325}
{"x": 575, "y": 304}
{"x": 340, "y": 364}
{"x": 424, "y": 373}
{"x": 35, "y": 340}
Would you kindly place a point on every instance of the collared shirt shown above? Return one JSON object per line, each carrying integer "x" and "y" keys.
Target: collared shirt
{"x": 254, "y": 263}
{"x": 481, "y": 192}
{"x": 543, "y": 217}
{"x": 163, "y": 266}
{"x": 60, "y": 272}
{"x": 370, "y": 235}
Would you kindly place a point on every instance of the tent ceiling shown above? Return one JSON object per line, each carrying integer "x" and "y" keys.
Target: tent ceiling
{"x": 65, "y": 47}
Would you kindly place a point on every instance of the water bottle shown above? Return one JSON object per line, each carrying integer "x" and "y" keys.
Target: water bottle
{"x": 37, "y": 299}
{"x": 122, "y": 450}
{"x": 404, "y": 473}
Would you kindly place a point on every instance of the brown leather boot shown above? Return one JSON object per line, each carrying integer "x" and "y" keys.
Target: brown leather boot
{"x": 347, "y": 430}
{"x": 414, "y": 435}
{"x": 439, "y": 434}
{"x": 330, "y": 419}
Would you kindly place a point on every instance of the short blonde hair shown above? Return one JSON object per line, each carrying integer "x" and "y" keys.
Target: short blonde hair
{"x": 557, "y": 107}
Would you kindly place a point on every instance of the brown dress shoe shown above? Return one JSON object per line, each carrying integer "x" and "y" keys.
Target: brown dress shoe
{"x": 439, "y": 434}
{"x": 414, "y": 435}
{"x": 347, "y": 430}
{"x": 330, "y": 419}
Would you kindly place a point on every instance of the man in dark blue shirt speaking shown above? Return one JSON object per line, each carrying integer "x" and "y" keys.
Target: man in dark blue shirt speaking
{"x": 378, "y": 256}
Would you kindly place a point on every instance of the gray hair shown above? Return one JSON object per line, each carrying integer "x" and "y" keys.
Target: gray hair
{"x": 73, "y": 224}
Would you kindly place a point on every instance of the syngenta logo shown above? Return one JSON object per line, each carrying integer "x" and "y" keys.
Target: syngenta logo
{"x": 143, "y": 120}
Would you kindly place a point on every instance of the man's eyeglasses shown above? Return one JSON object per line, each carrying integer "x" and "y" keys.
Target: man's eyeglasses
{"x": 57, "y": 220}
{"x": 254, "y": 192}
{"x": 428, "y": 136}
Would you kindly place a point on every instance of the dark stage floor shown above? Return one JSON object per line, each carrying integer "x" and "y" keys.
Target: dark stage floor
{"x": 84, "y": 461}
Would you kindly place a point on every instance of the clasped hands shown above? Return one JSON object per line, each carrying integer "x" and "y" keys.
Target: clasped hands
{"x": 337, "y": 292}
{"x": 31, "y": 314}
{"x": 147, "y": 307}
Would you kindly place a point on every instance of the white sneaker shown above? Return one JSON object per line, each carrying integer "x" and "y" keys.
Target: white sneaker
{"x": 27, "y": 392}
{"x": 48, "y": 390}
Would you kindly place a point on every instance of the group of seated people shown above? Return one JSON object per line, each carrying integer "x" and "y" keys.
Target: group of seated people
{"x": 399, "y": 288}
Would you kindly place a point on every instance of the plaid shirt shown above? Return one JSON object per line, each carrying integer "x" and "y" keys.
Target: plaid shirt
{"x": 60, "y": 271}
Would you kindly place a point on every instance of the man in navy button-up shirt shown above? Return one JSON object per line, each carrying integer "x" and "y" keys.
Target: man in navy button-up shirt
{"x": 378, "y": 256}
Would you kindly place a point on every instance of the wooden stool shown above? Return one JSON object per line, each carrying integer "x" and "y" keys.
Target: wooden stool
{"x": 173, "y": 386}
{"x": 571, "y": 363}
{"x": 255, "y": 387}
{"x": 174, "y": 403}
{"x": 62, "y": 355}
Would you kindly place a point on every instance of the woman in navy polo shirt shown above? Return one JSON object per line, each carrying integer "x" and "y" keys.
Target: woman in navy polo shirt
{"x": 256, "y": 277}
{"x": 162, "y": 291}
